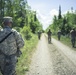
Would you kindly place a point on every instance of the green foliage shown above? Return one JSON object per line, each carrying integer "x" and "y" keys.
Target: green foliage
{"x": 18, "y": 29}
{"x": 26, "y": 31}
{"x": 65, "y": 40}
{"x": 59, "y": 16}
{"x": 35, "y": 26}
{"x": 25, "y": 59}
{"x": 65, "y": 24}
{"x": 21, "y": 13}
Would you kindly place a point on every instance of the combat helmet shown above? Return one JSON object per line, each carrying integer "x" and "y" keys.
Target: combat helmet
{"x": 7, "y": 19}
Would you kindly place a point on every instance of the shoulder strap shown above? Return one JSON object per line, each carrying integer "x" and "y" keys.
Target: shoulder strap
{"x": 5, "y": 37}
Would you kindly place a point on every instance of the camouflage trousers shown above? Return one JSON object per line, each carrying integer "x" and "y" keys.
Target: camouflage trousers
{"x": 8, "y": 64}
{"x": 59, "y": 37}
{"x": 49, "y": 39}
{"x": 73, "y": 42}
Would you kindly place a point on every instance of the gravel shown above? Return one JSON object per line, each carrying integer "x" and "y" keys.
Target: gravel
{"x": 49, "y": 59}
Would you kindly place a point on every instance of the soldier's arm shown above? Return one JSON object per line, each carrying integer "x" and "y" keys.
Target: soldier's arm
{"x": 19, "y": 39}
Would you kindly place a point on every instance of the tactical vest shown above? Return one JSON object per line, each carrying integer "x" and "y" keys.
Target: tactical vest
{"x": 8, "y": 46}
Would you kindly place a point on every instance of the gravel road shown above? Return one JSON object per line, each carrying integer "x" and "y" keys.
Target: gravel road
{"x": 50, "y": 59}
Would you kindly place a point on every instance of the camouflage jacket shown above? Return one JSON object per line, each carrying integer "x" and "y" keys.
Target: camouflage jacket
{"x": 11, "y": 43}
{"x": 73, "y": 34}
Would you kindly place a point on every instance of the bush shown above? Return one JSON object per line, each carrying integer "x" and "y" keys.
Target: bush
{"x": 26, "y": 31}
{"x": 17, "y": 28}
{"x": 27, "y": 52}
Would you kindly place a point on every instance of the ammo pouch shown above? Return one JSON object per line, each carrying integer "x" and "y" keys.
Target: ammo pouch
{"x": 7, "y": 59}
{"x": 18, "y": 53}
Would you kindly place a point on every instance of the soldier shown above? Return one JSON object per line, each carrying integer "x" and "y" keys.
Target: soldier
{"x": 39, "y": 35}
{"x": 10, "y": 43}
{"x": 49, "y": 36}
{"x": 59, "y": 34}
{"x": 0, "y": 28}
{"x": 73, "y": 35}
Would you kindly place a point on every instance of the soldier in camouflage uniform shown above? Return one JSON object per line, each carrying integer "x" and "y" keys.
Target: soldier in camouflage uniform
{"x": 59, "y": 34}
{"x": 73, "y": 36}
{"x": 49, "y": 36}
{"x": 9, "y": 47}
{"x": 39, "y": 34}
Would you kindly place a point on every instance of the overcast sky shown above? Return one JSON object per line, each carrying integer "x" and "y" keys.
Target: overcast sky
{"x": 46, "y": 9}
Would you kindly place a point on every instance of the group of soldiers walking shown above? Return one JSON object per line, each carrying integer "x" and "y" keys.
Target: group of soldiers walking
{"x": 72, "y": 34}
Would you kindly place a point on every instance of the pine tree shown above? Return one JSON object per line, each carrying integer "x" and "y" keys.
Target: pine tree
{"x": 59, "y": 16}
{"x": 35, "y": 18}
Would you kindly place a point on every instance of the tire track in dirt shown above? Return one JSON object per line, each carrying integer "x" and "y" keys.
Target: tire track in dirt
{"x": 41, "y": 61}
{"x": 48, "y": 59}
{"x": 61, "y": 63}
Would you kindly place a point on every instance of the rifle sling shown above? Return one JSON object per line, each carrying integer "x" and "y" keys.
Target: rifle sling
{"x": 5, "y": 37}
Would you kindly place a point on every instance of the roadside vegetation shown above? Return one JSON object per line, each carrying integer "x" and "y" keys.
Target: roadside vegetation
{"x": 25, "y": 59}
{"x": 65, "y": 40}
{"x": 64, "y": 22}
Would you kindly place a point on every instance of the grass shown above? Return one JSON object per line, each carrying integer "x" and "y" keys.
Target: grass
{"x": 25, "y": 59}
{"x": 65, "y": 40}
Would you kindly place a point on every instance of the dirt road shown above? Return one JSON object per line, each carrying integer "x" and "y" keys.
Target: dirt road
{"x": 52, "y": 59}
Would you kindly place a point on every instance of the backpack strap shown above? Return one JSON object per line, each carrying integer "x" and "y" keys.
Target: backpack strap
{"x": 6, "y": 37}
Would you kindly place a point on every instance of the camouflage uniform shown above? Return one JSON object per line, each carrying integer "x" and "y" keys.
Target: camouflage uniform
{"x": 49, "y": 36}
{"x": 8, "y": 49}
{"x": 39, "y": 34}
{"x": 59, "y": 34}
{"x": 73, "y": 35}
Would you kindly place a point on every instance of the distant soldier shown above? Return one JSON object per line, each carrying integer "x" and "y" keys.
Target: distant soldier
{"x": 49, "y": 36}
{"x": 59, "y": 34}
{"x": 10, "y": 43}
{"x": 0, "y": 28}
{"x": 39, "y": 35}
{"x": 73, "y": 35}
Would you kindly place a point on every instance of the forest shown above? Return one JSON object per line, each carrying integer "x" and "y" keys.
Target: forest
{"x": 24, "y": 19}
{"x": 64, "y": 22}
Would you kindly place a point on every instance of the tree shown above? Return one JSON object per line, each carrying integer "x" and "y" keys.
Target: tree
{"x": 1, "y": 10}
{"x": 59, "y": 16}
{"x": 55, "y": 25}
{"x": 21, "y": 13}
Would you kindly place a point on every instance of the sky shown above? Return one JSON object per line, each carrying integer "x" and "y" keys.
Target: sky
{"x": 46, "y": 9}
